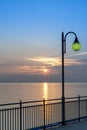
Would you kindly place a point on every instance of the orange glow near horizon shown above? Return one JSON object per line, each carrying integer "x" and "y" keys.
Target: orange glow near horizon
{"x": 41, "y": 65}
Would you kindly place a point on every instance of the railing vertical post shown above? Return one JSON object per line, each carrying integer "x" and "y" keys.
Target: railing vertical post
{"x": 79, "y": 107}
{"x": 20, "y": 115}
{"x": 44, "y": 112}
{"x": 86, "y": 107}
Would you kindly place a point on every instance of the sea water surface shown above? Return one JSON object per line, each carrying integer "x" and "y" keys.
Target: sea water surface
{"x": 14, "y": 92}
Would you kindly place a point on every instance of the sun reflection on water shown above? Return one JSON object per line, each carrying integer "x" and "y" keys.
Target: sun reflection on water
{"x": 45, "y": 91}
{"x": 45, "y": 96}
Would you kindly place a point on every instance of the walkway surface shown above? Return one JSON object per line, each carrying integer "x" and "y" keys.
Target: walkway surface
{"x": 75, "y": 126}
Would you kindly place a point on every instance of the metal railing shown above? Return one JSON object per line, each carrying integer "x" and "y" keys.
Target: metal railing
{"x": 41, "y": 114}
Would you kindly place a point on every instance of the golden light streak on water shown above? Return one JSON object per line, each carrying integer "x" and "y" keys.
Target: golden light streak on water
{"x": 45, "y": 91}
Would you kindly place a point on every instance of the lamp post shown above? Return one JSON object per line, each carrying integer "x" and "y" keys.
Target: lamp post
{"x": 76, "y": 47}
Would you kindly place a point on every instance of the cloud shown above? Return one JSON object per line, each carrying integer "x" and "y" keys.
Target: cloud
{"x": 46, "y": 60}
{"x": 22, "y": 69}
{"x": 55, "y": 61}
{"x": 71, "y": 62}
{"x": 30, "y": 69}
{"x": 82, "y": 53}
{"x": 78, "y": 54}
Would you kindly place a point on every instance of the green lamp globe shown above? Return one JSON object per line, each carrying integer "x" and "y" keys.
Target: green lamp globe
{"x": 76, "y": 46}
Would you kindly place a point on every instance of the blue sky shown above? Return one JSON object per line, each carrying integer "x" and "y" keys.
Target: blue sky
{"x": 30, "y": 39}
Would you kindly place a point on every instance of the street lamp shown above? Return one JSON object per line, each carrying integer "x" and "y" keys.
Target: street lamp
{"x": 76, "y": 47}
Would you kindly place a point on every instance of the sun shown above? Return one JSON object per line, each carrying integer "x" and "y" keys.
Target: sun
{"x": 45, "y": 70}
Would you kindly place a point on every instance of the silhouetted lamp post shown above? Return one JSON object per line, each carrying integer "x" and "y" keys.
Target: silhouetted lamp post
{"x": 76, "y": 47}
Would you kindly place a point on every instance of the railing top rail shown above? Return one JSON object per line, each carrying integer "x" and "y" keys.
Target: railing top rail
{"x": 71, "y": 97}
{"x": 83, "y": 96}
{"x": 76, "y": 97}
{"x": 53, "y": 99}
{"x": 39, "y": 101}
{"x": 9, "y": 104}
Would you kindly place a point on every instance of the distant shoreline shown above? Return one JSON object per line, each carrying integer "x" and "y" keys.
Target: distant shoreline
{"x": 42, "y": 81}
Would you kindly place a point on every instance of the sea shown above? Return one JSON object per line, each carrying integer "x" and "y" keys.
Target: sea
{"x": 14, "y": 92}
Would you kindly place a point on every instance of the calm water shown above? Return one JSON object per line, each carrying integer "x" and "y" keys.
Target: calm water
{"x": 13, "y": 92}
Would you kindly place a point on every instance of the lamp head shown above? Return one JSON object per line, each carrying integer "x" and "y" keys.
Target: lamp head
{"x": 76, "y": 46}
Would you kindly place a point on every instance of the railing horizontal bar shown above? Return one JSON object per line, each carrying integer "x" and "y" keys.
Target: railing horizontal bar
{"x": 17, "y": 103}
{"x": 40, "y": 101}
{"x": 71, "y": 97}
{"x": 75, "y": 100}
{"x": 53, "y": 99}
{"x": 32, "y": 106}
{"x": 83, "y": 96}
{"x": 41, "y": 105}
{"x": 9, "y": 104}
{"x": 75, "y": 97}
{"x": 7, "y": 109}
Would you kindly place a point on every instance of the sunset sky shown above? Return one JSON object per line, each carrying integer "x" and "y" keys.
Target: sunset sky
{"x": 30, "y": 40}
